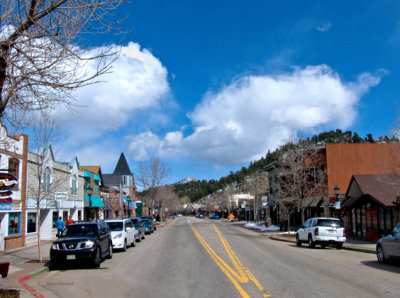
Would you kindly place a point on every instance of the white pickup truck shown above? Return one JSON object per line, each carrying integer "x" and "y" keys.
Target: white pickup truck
{"x": 322, "y": 231}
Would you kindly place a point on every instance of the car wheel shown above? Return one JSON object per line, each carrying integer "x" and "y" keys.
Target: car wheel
{"x": 143, "y": 236}
{"x": 380, "y": 254}
{"x": 339, "y": 245}
{"x": 110, "y": 251}
{"x": 323, "y": 245}
{"x": 97, "y": 258}
{"x": 298, "y": 242}
{"x": 124, "y": 248}
{"x": 311, "y": 243}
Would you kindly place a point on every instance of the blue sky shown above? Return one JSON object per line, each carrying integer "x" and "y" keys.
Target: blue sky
{"x": 211, "y": 85}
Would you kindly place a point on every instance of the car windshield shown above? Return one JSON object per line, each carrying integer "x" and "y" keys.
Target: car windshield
{"x": 134, "y": 220}
{"x": 329, "y": 223}
{"x": 80, "y": 230}
{"x": 146, "y": 222}
{"x": 115, "y": 225}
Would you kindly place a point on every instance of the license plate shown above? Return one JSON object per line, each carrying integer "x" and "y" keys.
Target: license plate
{"x": 70, "y": 257}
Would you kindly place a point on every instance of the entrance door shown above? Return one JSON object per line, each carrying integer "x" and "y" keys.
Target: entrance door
{"x": 372, "y": 225}
{"x": 3, "y": 226}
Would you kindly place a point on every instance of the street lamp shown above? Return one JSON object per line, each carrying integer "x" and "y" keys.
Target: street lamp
{"x": 129, "y": 209}
{"x": 336, "y": 189}
{"x": 89, "y": 191}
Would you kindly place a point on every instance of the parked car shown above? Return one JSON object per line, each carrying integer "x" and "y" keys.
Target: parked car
{"x": 122, "y": 233}
{"x": 148, "y": 226}
{"x": 322, "y": 231}
{"x": 211, "y": 215}
{"x": 388, "y": 247}
{"x": 201, "y": 215}
{"x": 152, "y": 219}
{"x": 139, "y": 226}
{"x": 83, "y": 241}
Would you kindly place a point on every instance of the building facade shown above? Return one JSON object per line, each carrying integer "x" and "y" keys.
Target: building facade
{"x": 13, "y": 179}
{"x": 54, "y": 190}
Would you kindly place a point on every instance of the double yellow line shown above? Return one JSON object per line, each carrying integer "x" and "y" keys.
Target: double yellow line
{"x": 241, "y": 275}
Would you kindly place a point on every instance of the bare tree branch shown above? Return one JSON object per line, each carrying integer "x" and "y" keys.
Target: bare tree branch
{"x": 42, "y": 56}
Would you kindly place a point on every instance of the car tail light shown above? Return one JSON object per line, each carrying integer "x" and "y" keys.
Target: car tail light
{"x": 344, "y": 232}
{"x": 316, "y": 231}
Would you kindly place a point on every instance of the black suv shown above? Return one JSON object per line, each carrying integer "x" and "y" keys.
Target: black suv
{"x": 82, "y": 241}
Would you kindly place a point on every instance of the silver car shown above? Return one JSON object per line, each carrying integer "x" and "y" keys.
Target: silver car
{"x": 388, "y": 247}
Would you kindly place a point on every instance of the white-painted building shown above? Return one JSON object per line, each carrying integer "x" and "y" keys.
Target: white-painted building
{"x": 58, "y": 188}
{"x": 13, "y": 163}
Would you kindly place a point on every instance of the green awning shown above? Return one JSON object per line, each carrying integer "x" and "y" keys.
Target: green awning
{"x": 87, "y": 174}
{"x": 97, "y": 177}
{"x": 96, "y": 201}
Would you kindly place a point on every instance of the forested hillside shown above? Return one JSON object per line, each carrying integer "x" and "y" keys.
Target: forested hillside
{"x": 195, "y": 190}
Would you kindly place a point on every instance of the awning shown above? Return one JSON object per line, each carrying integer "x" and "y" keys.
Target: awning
{"x": 96, "y": 201}
{"x": 316, "y": 202}
{"x": 87, "y": 174}
{"x": 97, "y": 177}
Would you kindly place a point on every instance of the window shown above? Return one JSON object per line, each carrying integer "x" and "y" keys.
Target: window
{"x": 96, "y": 186}
{"x": 79, "y": 214}
{"x": 13, "y": 167}
{"x": 55, "y": 218}
{"x": 87, "y": 183}
{"x": 46, "y": 180}
{"x": 73, "y": 185}
{"x": 14, "y": 219}
{"x": 31, "y": 222}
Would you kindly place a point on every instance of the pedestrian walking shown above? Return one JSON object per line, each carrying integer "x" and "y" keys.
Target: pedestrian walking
{"x": 70, "y": 220}
{"x": 59, "y": 226}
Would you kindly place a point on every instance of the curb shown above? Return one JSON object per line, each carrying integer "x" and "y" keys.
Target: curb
{"x": 369, "y": 251}
{"x": 22, "y": 281}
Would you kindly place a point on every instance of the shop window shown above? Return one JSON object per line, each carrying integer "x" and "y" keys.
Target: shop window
{"x": 13, "y": 167}
{"x": 79, "y": 214}
{"x": 55, "y": 218}
{"x": 14, "y": 226}
{"x": 31, "y": 222}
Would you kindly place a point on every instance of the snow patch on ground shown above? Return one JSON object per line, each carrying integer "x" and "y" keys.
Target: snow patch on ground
{"x": 261, "y": 227}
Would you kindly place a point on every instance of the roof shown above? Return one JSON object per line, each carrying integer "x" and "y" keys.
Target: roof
{"x": 122, "y": 167}
{"x": 384, "y": 189}
{"x": 345, "y": 160}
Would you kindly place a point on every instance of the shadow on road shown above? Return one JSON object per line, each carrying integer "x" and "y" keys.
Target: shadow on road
{"x": 393, "y": 266}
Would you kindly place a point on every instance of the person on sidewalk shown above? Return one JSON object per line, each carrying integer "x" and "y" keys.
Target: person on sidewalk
{"x": 69, "y": 221}
{"x": 59, "y": 226}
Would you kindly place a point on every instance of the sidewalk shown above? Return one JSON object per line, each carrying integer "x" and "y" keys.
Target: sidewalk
{"x": 24, "y": 263}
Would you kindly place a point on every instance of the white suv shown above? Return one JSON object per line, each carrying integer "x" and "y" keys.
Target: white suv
{"x": 322, "y": 231}
{"x": 122, "y": 233}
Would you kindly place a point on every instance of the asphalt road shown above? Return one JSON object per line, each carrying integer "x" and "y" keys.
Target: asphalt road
{"x": 194, "y": 257}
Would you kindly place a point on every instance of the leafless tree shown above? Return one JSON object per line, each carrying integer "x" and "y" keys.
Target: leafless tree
{"x": 168, "y": 198}
{"x": 302, "y": 176}
{"x": 43, "y": 51}
{"x": 150, "y": 176}
{"x": 43, "y": 130}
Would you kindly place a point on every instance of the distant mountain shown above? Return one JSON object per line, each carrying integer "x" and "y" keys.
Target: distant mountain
{"x": 187, "y": 180}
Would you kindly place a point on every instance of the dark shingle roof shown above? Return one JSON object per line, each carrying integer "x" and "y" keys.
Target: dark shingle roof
{"x": 122, "y": 167}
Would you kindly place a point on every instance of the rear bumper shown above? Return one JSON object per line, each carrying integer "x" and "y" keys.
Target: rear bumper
{"x": 329, "y": 239}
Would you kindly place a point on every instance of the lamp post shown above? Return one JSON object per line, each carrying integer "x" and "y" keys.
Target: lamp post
{"x": 89, "y": 192}
{"x": 336, "y": 189}
{"x": 129, "y": 209}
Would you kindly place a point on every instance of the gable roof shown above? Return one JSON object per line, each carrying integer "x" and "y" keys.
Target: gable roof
{"x": 384, "y": 189}
{"x": 122, "y": 167}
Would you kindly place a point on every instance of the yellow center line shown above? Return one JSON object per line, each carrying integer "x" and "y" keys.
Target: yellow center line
{"x": 242, "y": 275}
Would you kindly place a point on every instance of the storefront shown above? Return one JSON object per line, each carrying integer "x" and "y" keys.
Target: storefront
{"x": 372, "y": 206}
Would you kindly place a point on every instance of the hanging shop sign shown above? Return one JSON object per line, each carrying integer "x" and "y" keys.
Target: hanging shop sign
{"x": 7, "y": 182}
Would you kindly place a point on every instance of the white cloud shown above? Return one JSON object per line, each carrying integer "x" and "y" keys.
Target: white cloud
{"x": 144, "y": 145}
{"x": 257, "y": 113}
{"x": 324, "y": 27}
{"x": 138, "y": 81}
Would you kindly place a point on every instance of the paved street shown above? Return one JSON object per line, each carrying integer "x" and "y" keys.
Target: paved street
{"x": 194, "y": 257}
